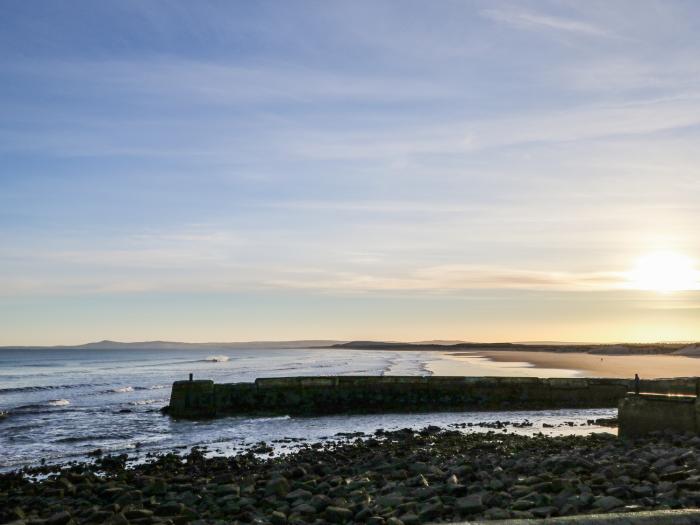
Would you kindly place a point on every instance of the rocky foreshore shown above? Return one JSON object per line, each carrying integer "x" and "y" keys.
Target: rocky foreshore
{"x": 390, "y": 478}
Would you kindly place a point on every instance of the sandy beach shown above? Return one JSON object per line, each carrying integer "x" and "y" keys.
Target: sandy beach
{"x": 647, "y": 366}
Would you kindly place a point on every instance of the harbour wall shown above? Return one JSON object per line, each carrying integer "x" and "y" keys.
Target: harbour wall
{"x": 641, "y": 414}
{"x": 376, "y": 394}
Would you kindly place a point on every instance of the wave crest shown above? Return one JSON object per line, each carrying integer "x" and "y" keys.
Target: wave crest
{"x": 143, "y": 402}
{"x": 58, "y": 402}
{"x": 217, "y": 358}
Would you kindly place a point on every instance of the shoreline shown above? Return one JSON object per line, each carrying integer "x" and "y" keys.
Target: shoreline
{"x": 403, "y": 477}
{"x": 481, "y": 365}
{"x": 596, "y": 365}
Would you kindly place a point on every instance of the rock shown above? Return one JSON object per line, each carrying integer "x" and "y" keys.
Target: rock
{"x": 297, "y": 472}
{"x": 523, "y": 504}
{"x": 278, "y": 486}
{"x": 618, "y": 492}
{"x": 135, "y": 514}
{"x": 389, "y": 500}
{"x": 158, "y": 487}
{"x": 305, "y": 509}
{"x": 172, "y": 508}
{"x": 676, "y": 475}
{"x": 228, "y": 489}
{"x": 117, "y": 519}
{"x": 457, "y": 489}
{"x": 363, "y": 514}
{"x": 607, "y": 503}
{"x": 411, "y": 519}
{"x": 60, "y": 518}
{"x": 470, "y": 504}
{"x": 424, "y": 493}
{"x": 113, "y": 492}
{"x": 299, "y": 494}
{"x": 338, "y": 514}
{"x": 399, "y": 478}
{"x": 320, "y": 501}
{"x": 544, "y": 512}
{"x": 428, "y": 513}
{"x": 642, "y": 491}
{"x": 496, "y": 513}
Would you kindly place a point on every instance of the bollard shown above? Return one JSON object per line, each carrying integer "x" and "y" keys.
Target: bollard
{"x": 191, "y": 376}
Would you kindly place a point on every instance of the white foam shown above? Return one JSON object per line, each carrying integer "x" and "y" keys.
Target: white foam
{"x": 58, "y": 402}
{"x": 144, "y": 402}
{"x": 124, "y": 389}
{"x": 217, "y": 358}
{"x": 266, "y": 419}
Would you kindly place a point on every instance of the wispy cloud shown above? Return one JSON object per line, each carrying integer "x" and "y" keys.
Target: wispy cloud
{"x": 582, "y": 123}
{"x": 537, "y": 21}
{"x": 455, "y": 278}
{"x": 217, "y": 279}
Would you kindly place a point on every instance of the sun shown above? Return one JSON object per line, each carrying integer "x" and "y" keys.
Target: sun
{"x": 664, "y": 272}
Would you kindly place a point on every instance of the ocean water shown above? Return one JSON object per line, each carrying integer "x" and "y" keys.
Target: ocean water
{"x": 62, "y": 404}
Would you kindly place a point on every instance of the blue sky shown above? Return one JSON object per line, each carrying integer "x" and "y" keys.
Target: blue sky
{"x": 398, "y": 170}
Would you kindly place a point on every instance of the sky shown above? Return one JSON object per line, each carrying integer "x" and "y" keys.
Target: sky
{"x": 398, "y": 170}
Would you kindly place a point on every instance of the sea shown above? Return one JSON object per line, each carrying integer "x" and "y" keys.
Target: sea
{"x": 61, "y": 405}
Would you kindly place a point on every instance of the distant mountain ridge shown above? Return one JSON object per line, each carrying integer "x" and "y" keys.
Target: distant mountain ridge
{"x": 689, "y": 349}
{"x": 177, "y": 345}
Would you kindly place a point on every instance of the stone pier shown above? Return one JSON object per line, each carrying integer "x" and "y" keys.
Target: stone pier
{"x": 376, "y": 394}
{"x": 640, "y": 414}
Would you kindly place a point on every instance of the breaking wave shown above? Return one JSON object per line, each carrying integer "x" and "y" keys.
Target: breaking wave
{"x": 144, "y": 402}
{"x": 217, "y": 358}
{"x": 58, "y": 403}
{"x": 13, "y": 390}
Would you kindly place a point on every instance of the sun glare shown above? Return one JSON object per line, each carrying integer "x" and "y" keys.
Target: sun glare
{"x": 664, "y": 272}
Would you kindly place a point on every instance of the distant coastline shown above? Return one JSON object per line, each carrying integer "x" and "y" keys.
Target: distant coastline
{"x": 682, "y": 349}
{"x": 688, "y": 349}
{"x": 177, "y": 345}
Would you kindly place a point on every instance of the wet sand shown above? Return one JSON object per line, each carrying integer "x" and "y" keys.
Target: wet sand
{"x": 647, "y": 366}
{"x": 477, "y": 364}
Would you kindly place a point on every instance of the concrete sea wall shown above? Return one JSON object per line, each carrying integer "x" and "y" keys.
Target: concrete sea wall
{"x": 373, "y": 394}
{"x": 641, "y": 414}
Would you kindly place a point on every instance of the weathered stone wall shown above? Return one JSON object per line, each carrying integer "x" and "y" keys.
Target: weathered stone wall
{"x": 641, "y": 414}
{"x": 372, "y": 394}
{"x": 193, "y": 398}
{"x": 675, "y": 385}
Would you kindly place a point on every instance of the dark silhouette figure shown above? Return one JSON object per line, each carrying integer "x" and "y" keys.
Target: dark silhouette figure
{"x": 636, "y": 384}
{"x": 191, "y": 377}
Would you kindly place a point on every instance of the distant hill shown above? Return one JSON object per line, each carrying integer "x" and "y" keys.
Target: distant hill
{"x": 589, "y": 348}
{"x": 176, "y": 345}
{"x": 676, "y": 348}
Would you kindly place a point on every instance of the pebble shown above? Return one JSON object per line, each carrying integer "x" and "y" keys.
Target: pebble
{"x": 389, "y": 478}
